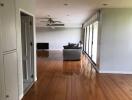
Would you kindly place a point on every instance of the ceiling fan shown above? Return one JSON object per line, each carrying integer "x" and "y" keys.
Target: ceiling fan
{"x": 51, "y": 22}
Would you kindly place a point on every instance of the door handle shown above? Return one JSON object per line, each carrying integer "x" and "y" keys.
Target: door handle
{"x": 31, "y": 43}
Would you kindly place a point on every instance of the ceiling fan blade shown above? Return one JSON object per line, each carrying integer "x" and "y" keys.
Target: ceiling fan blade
{"x": 46, "y": 18}
{"x": 56, "y": 25}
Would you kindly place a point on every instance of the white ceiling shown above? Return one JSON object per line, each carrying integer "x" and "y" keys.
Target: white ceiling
{"x": 77, "y": 11}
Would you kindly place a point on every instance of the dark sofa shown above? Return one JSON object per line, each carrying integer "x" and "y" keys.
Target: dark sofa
{"x": 72, "y": 52}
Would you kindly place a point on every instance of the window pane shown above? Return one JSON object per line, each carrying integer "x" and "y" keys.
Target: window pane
{"x": 87, "y": 39}
{"x": 95, "y": 39}
{"x": 84, "y": 39}
{"x": 90, "y": 41}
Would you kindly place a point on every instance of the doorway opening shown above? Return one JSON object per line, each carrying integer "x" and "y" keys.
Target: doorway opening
{"x": 27, "y": 50}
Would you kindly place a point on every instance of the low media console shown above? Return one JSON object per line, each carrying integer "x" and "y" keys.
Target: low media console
{"x": 42, "y": 46}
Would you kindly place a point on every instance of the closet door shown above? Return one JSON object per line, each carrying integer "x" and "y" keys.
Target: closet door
{"x": 8, "y": 25}
{"x": 8, "y": 55}
{"x": 11, "y": 79}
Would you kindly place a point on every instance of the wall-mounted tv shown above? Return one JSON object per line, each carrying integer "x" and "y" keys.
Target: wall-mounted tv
{"x": 41, "y": 46}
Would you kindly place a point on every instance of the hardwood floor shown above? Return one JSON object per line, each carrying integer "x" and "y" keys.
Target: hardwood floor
{"x": 76, "y": 80}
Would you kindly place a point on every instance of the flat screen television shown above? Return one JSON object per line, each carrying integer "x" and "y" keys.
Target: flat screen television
{"x": 41, "y": 46}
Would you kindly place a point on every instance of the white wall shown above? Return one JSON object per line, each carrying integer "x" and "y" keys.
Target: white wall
{"x": 116, "y": 41}
{"x": 27, "y": 6}
{"x": 58, "y": 37}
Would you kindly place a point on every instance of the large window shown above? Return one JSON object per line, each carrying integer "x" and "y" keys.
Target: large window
{"x": 85, "y": 36}
{"x": 87, "y": 39}
{"x": 95, "y": 41}
{"x": 90, "y": 40}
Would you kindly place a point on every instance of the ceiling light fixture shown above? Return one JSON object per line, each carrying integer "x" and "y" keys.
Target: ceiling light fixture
{"x": 105, "y": 4}
{"x": 66, "y": 4}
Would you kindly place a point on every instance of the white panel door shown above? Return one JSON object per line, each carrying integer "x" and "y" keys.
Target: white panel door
{"x": 11, "y": 76}
{"x": 8, "y": 25}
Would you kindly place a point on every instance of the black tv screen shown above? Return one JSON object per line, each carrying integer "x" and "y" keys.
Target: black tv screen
{"x": 42, "y": 46}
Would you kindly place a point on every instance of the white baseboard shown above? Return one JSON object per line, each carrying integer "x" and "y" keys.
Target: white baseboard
{"x": 115, "y": 72}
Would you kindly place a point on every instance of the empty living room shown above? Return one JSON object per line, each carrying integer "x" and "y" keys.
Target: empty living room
{"x": 65, "y": 50}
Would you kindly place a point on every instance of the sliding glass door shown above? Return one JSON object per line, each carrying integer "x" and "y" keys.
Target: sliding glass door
{"x": 90, "y": 40}
{"x": 87, "y": 39}
{"x": 95, "y": 41}
{"x": 84, "y": 43}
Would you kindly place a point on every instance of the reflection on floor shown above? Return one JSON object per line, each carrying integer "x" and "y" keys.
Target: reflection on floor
{"x": 76, "y": 80}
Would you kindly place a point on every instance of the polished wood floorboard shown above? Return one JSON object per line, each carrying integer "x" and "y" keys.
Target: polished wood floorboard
{"x": 76, "y": 80}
